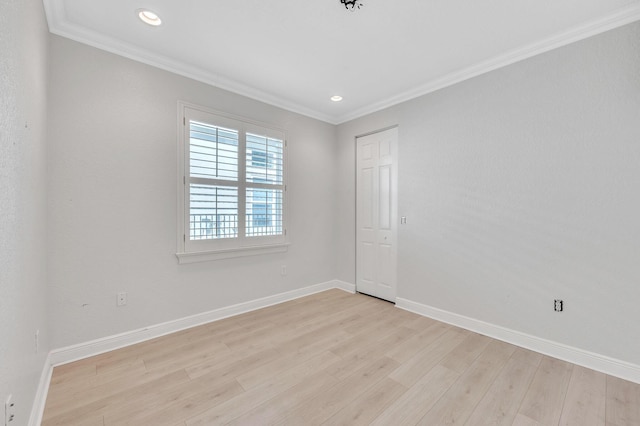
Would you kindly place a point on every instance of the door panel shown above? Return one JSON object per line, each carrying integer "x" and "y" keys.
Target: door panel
{"x": 367, "y": 199}
{"x": 376, "y": 216}
{"x": 385, "y": 197}
{"x": 368, "y": 260}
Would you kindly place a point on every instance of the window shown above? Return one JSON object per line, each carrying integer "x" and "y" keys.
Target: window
{"x": 232, "y": 188}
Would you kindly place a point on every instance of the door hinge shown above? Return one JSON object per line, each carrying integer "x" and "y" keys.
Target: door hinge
{"x": 184, "y": 180}
{"x": 184, "y": 121}
{"x": 184, "y": 238}
{"x": 285, "y": 232}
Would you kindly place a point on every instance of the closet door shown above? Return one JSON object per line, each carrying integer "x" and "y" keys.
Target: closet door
{"x": 376, "y": 214}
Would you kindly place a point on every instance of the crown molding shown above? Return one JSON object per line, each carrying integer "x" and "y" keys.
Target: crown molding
{"x": 608, "y": 22}
{"x": 59, "y": 25}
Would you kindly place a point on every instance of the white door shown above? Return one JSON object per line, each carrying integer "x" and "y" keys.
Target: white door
{"x": 376, "y": 214}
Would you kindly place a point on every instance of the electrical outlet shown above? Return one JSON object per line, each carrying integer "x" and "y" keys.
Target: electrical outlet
{"x": 283, "y": 270}
{"x": 122, "y": 298}
{"x": 558, "y": 305}
{"x": 9, "y": 410}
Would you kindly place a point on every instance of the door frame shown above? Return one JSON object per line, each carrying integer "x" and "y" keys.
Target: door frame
{"x": 394, "y": 207}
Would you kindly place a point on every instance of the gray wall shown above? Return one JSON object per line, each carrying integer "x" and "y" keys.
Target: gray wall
{"x": 112, "y": 199}
{"x": 521, "y": 186}
{"x": 23, "y": 234}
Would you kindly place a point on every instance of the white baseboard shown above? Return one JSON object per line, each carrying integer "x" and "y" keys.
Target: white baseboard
{"x": 95, "y": 347}
{"x": 37, "y": 409}
{"x": 106, "y": 344}
{"x": 594, "y": 361}
{"x": 343, "y": 285}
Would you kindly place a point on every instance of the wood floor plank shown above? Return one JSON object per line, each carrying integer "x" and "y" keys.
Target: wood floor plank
{"x": 174, "y": 343}
{"x": 264, "y": 392}
{"x": 110, "y": 372}
{"x": 233, "y": 366}
{"x": 313, "y": 341}
{"x": 522, "y": 420}
{"x": 384, "y": 319}
{"x": 190, "y": 399}
{"x": 258, "y": 337}
{"x": 368, "y": 350}
{"x": 299, "y": 370}
{"x": 466, "y": 352}
{"x": 500, "y": 404}
{"x": 203, "y": 362}
{"x": 65, "y": 374}
{"x": 344, "y": 367}
{"x": 409, "y": 408}
{"x": 253, "y": 377}
{"x": 366, "y": 407}
{"x": 332, "y": 358}
{"x": 64, "y": 416}
{"x": 419, "y": 323}
{"x": 190, "y": 357}
{"x": 411, "y": 371}
{"x": 303, "y": 319}
{"x": 321, "y": 408}
{"x": 229, "y": 410}
{"x": 415, "y": 344}
{"x": 292, "y": 333}
{"x": 360, "y": 347}
{"x": 391, "y": 334}
{"x": 97, "y": 389}
{"x": 623, "y": 402}
{"x": 457, "y": 404}
{"x": 275, "y": 409}
{"x": 544, "y": 400}
{"x": 86, "y": 419}
{"x": 353, "y": 344}
{"x": 584, "y": 404}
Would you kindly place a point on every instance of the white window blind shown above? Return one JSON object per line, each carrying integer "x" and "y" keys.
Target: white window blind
{"x": 264, "y": 171}
{"x": 233, "y": 193}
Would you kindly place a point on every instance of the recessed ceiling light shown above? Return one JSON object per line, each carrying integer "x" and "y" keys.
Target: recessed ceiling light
{"x": 336, "y": 98}
{"x": 149, "y": 17}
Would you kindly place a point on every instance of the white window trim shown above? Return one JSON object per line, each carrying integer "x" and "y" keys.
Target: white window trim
{"x": 225, "y": 249}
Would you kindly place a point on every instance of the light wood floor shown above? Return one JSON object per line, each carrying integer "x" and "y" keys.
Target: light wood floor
{"x": 333, "y": 358}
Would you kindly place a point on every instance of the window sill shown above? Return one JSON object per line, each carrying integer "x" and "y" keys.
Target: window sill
{"x": 205, "y": 256}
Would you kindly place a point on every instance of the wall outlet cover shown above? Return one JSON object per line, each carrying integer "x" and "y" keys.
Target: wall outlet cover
{"x": 9, "y": 410}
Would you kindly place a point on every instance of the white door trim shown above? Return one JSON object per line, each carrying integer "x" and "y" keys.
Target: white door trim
{"x": 377, "y": 224}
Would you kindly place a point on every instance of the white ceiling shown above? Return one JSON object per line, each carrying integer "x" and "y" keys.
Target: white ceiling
{"x": 296, "y": 54}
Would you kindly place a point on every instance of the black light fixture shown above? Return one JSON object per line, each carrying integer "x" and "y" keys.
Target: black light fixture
{"x": 351, "y": 4}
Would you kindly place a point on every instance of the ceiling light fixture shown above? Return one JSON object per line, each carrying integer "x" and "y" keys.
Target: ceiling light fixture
{"x": 149, "y": 17}
{"x": 336, "y": 98}
{"x": 352, "y": 4}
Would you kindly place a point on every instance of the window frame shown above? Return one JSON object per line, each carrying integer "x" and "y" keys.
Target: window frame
{"x": 189, "y": 251}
